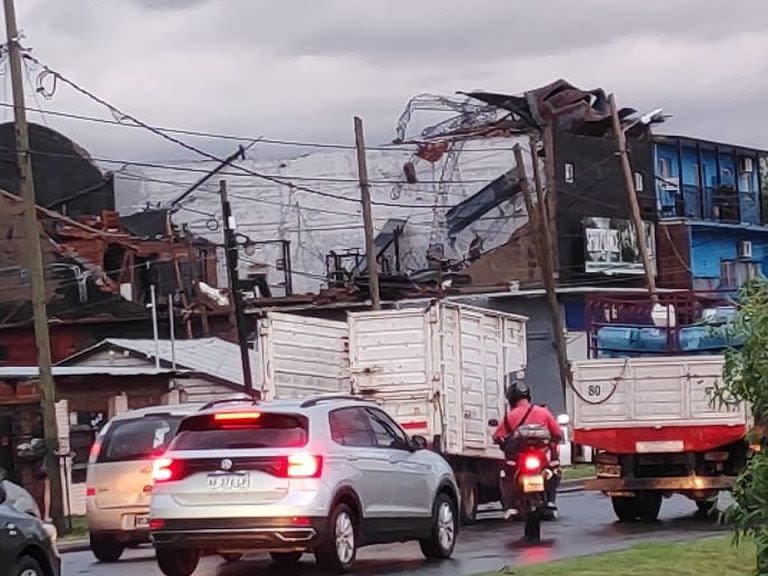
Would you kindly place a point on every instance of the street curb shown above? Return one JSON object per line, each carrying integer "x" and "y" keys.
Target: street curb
{"x": 568, "y": 486}
{"x": 79, "y": 545}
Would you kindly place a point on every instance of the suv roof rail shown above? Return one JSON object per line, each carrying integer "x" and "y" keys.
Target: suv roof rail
{"x": 331, "y": 398}
{"x": 240, "y": 400}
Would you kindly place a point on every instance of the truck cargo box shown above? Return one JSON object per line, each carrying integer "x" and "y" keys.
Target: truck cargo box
{"x": 440, "y": 370}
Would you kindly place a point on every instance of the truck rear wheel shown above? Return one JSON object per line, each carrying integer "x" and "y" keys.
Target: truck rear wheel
{"x": 469, "y": 495}
{"x": 625, "y": 507}
{"x": 648, "y": 506}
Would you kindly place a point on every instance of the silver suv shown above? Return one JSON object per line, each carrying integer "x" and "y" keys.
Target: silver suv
{"x": 324, "y": 475}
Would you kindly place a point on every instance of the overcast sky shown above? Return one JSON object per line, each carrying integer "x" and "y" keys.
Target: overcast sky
{"x": 301, "y": 69}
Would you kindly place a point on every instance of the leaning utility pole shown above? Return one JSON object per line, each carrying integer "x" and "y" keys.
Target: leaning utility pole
{"x": 629, "y": 182}
{"x": 538, "y": 218}
{"x": 365, "y": 194}
{"x": 34, "y": 263}
{"x": 231, "y": 257}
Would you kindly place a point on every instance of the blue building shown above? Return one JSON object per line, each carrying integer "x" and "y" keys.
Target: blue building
{"x": 713, "y": 216}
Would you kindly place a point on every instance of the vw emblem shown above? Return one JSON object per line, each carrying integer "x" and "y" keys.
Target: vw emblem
{"x": 226, "y": 464}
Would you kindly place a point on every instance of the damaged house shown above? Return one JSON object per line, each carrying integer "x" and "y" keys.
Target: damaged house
{"x": 98, "y": 265}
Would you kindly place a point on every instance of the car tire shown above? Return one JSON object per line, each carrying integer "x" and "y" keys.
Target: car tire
{"x": 286, "y": 560}
{"x": 469, "y": 495}
{"x": 445, "y": 528}
{"x": 338, "y": 551}
{"x": 625, "y": 508}
{"x": 177, "y": 562}
{"x": 231, "y": 556}
{"x": 27, "y": 566}
{"x": 106, "y": 548}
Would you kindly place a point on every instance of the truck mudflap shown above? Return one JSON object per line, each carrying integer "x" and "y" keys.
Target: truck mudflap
{"x": 674, "y": 484}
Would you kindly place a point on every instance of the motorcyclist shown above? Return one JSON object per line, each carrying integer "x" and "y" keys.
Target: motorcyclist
{"x": 522, "y": 411}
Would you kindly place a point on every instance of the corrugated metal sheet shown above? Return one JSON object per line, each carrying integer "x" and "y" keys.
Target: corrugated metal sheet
{"x": 212, "y": 356}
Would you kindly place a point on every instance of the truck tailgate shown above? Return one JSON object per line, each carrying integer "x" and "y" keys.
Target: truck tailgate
{"x": 652, "y": 394}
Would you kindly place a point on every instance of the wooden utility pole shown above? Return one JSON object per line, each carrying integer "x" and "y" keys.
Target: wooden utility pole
{"x": 231, "y": 257}
{"x": 538, "y": 219}
{"x": 365, "y": 195}
{"x": 629, "y": 182}
{"x": 34, "y": 266}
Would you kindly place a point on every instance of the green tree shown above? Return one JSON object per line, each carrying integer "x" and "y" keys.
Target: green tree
{"x": 746, "y": 378}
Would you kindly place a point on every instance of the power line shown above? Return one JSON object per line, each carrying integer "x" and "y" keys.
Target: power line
{"x": 407, "y": 147}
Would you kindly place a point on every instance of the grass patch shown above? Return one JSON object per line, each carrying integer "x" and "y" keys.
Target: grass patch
{"x": 706, "y": 557}
{"x": 579, "y": 472}
{"x": 79, "y": 528}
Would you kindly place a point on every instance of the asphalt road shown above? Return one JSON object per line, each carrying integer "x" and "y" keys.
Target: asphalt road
{"x": 586, "y": 526}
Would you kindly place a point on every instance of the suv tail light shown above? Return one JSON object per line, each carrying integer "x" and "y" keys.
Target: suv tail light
{"x": 166, "y": 470}
{"x": 303, "y": 465}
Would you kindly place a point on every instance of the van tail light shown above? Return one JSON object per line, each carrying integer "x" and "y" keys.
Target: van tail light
{"x": 156, "y": 523}
{"x": 90, "y": 491}
{"x": 532, "y": 463}
{"x": 94, "y": 454}
{"x": 166, "y": 470}
{"x": 303, "y": 465}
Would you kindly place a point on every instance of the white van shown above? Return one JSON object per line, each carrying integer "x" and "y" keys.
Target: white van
{"x": 119, "y": 477}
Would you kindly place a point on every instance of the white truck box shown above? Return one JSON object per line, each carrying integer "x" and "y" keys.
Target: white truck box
{"x": 650, "y": 392}
{"x": 302, "y": 356}
{"x": 440, "y": 370}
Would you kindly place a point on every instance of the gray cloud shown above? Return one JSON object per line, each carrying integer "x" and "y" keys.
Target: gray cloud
{"x": 301, "y": 69}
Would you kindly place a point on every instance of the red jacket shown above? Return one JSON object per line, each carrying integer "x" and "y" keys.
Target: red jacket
{"x": 539, "y": 415}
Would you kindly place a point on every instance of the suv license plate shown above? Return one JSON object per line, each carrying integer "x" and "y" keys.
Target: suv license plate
{"x": 228, "y": 482}
{"x": 533, "y": 483}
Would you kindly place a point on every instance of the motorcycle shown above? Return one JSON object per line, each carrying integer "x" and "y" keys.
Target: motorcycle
{"x": 527, "y": 471}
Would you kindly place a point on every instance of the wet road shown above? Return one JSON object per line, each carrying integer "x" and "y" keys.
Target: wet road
{"x": 586, "y": 526}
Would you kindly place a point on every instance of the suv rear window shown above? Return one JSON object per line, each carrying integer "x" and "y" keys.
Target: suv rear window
{"x": 266, "y": 431}
{"x": 138, "y": 438}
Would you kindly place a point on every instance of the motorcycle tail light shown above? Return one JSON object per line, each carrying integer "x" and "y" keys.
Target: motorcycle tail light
{"x": 532, "y": 463}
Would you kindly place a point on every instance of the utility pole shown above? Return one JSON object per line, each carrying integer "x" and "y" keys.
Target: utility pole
{"x": 629, "y": 182}
{"x": 238, "y": 309}
{"x": 539, "y": 221}
{"x": 365, "y": 194}
{"x": 35, "y": 267}
{"x": 155, "y": 330}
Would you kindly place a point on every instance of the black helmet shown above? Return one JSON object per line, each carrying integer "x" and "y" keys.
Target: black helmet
{"x": 516, "y": 391}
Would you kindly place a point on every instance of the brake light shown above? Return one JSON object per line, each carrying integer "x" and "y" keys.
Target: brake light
{"x": 156, "y": 523}
{"x": 163, "y": 470}
{"x": 94, "y": 454}
{"x": 233, "y": 416}
{"x": 532, "y": 463}
{"x": 90, "y": 491}
{"x": 304, "y": 465}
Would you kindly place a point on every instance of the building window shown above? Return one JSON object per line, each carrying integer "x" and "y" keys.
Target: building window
{"x": 734, "y": 273}
{"x": 639, "y": 182}
{"x": 570, "y": 173}
{"x": 665, "y": 168}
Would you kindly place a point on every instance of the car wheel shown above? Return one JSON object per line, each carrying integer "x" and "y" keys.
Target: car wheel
{"x": 445, "y": 526}
{"x": 177, "y": 562}
{"x": 232, "y": 556}
{"x": 27, "y": 566}
{"x": 468, "y": 489}
{"x": 338, "y": 551}
{"x": 284, "y": 560}
{"x": 106, "y": 548}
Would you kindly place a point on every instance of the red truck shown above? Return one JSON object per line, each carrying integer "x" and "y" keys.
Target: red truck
{"x": 653, "y": 416}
